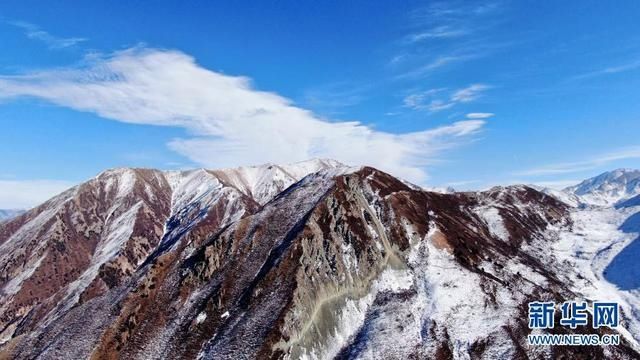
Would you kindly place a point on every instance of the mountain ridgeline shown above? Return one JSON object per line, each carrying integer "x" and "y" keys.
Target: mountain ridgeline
{"x": 311, "y": 260}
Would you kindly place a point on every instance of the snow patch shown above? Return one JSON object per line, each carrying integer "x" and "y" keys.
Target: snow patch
{"x": 15, "y": 284}
{"x": 491, "y": 216}
{"x": 118, "y": 231}
{"x": 201, "y": 318}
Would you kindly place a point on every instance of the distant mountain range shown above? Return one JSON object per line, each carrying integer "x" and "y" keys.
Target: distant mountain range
{"x": 10, "y": 213}
{"x": 312, "y": 260}
{"x": 608, "y": 188}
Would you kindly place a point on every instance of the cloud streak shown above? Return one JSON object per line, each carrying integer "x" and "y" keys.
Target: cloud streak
{"x": 439, "y": 32}
{"x": 450, "y": 32}
{"x": 630, "y": 66}
{"x": 479, "y": 115}
{"x": 434, "y": 64}
{"x": 53, "y": 42}
{"x": 428, "y": 100}
{"x": 468, "y": 94}
{"x": 231, "y": 122}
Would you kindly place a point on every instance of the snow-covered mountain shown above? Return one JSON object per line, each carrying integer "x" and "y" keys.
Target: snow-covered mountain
{"x": 104, "y": 229}
{"x": 263, "y": 182}
{"x": 10, "y": 213}
{"x": 310, "y": 260}
{"x": 603, "y": 242}
{"x": 608, "y": 188}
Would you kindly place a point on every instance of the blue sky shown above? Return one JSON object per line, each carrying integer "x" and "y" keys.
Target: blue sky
{"x": 467, "y": 94}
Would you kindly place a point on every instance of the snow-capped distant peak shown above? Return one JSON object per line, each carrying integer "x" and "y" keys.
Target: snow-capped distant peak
{"x": 608, "y": 188}
{"x": 440, "y": 189}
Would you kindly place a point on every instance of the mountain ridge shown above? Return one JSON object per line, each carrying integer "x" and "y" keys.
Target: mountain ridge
{"x": 608, "y": 187}
{"x": 195, "y": 266}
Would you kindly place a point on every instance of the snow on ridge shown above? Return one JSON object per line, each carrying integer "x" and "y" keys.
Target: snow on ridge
{"x": 303, "y": 168}
{"x": 607, "y": 188}
{"x": 439, "y": 189}
{"x": 45, "y": 212}
{"x": 118, "y": 231}
{"x": 587, "y": 249}
{"x": 189, "y": 186}
{"x": 565, "y": 197}
{"x": 263, "y": 182}
{"x": 491, "y": 216}
{"x": 14, "y": 285}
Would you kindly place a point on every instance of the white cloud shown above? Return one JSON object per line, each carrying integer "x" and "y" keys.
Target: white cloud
{"x": 232, "y": 123}
{"x": 461, "y": 32}
{"x": 632, "y": 152}
{"x": 479, "y": 115}
{"x": 434, "y": 64}
{"x": 34, "y": 32}
{"x": 427, "y": 100}
{"x": 24, "y": 194}
{"x": 437, "y": 105}
{"x": 468, "y": 94}
{"x": 439, "y": 32}
{"x": 448, "y": 10}
{"x": 633, "y": 65}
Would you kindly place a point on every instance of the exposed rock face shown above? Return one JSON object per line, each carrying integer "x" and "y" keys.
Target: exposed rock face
{"x": 271, "y": 263}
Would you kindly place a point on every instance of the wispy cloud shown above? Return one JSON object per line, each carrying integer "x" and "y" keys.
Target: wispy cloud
{"x": 449, "y": 31}
{"x": 469, "y": 93}
{"x": 451, "y": 10}
{"x": 632, "y": 65}
{"x": 632, "y": 152}
{"x": 479, "y": 115}
{"x": 446, "y": 19}
{"x": 431, "y": 100}
{"x": 232, "y": 122}
{"x": 435, "y": 64}
{"x": 53, "y": 42}
{"x": 24, "y": 194}
{"x": 421, "y": 100}
{"x": 439, "y": 32}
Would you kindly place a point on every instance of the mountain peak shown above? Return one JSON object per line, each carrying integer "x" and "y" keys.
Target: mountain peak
{"x": 609, "y": 187}
{"x": 260, "y": 182}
